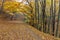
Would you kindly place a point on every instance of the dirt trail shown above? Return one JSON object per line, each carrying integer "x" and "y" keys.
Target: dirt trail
{"x": 17, "y": 30}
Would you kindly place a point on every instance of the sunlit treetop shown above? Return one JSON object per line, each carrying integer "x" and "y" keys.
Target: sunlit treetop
{"x": 16, "y": 7}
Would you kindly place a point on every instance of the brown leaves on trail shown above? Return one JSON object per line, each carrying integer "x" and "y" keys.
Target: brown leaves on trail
{"x": 12, "y": 30}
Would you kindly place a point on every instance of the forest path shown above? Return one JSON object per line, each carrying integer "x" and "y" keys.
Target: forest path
{"x": 18, "y": 30}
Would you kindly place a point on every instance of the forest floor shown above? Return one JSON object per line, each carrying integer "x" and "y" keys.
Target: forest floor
{"x": 18, "y": 30}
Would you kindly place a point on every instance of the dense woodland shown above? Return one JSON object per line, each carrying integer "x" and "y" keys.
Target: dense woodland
{"x": 41, "y": 14}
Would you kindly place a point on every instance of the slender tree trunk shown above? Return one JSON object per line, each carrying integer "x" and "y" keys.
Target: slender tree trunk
{"x": 43, "y": 15}
{"x": 57, "y": 31}
{"x": 51, "y": 17}
{"x": 2, "y": 6}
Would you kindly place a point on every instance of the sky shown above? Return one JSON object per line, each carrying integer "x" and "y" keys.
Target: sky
{"x": 19, "y": 0}
{"x": 25, "y": 2}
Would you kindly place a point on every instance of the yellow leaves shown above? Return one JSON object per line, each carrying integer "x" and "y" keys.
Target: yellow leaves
{"x": 28, "y": 7}
{"x": 32, "y": 4}
{"x": 16, "y": 7}
{"x": 10, "y": 6}
{"x": 10, "y": 3}
{"x": 25, "y": 6}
